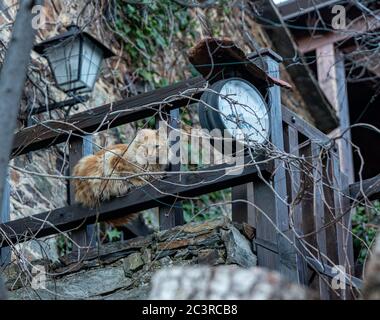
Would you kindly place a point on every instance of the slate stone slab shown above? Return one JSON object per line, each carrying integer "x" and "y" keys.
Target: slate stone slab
{"x": 238, "y": 248}
{"x": 132, "y": 263}
{"x": 81, "y": 285}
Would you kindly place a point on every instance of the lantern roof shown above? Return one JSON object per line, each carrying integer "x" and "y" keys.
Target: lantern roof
{"x": 72, "y": 32}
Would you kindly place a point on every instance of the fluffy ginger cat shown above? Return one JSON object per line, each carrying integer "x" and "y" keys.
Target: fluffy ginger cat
{"x": 142, "y": 155}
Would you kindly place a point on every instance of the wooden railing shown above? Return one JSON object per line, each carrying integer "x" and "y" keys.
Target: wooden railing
{"x": 105, "y": 117}
{"x": 303, "y": 240}
{"x": 321, "y": 211}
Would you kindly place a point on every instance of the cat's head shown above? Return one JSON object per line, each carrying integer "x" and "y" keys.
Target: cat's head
{"x": 150, "y": 147}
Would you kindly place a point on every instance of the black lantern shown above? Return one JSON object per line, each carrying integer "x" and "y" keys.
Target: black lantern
{"x": 75, "y": 58}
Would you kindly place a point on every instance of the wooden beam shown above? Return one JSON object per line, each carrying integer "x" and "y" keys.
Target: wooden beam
{"x": 332, "y": 80}
{"x": 242, "y": 211}
{"x": 107, "y": 116}
{"x": 319, "y": 216}
{"x": 302, "y": 76}
{"x": 358, "y": 26}
{"x": 366, "y": 59}
{"x": 292, "y": 9}
{"x": 343, "y": 227}
{"x": 327, "y": 76}
{"x": 171, "y": 215}
{"x": 287, "y": 255}
{"x": 331, "y": 273}
{"x": 266, "y": 235}
{"x": 370, "y": 188}
{"x": 183, "y": 185}
{"x": 302, "y": 126}
{"x": 85, "y": 236}
{"x": 295, "y": 210}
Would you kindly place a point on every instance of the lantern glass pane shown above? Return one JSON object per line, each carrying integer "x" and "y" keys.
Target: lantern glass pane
{"x": 64, "y": 59}
{"x": 92, "y": 57}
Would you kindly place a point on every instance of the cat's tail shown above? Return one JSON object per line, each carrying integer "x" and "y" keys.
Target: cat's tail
{"x": 119, "y": 222}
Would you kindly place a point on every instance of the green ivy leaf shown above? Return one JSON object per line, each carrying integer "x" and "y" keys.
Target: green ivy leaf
{"x": 113, "y": 235}
{"x": 140, "y": 44}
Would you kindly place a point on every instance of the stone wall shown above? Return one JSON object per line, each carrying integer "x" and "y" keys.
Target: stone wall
{"x": 123, "y": 270}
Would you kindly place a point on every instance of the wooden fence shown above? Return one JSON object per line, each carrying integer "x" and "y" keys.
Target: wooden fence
{"x": 318, "y": 211}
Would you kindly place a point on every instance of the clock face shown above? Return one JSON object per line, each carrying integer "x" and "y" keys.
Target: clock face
{"x": 244, "y": 113}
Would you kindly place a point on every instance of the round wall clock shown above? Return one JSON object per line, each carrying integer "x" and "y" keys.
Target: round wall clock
{"x": 238, "y": 109}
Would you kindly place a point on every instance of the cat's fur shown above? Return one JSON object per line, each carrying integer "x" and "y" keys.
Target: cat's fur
{"x": 119, "y": 160}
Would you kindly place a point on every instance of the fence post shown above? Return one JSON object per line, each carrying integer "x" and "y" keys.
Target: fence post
{"x": 332, "y": 80}
{"x": 344, "y": 235}
{"x": 5, "y": 253}
{"x": 319, "y": 216}
{"x": 171, "y": 214}
{"x": 83, "y": 237}
{"x": 286, "y": 260}
{"x": 242, "y": 211}
{"x": 294, "y": 184}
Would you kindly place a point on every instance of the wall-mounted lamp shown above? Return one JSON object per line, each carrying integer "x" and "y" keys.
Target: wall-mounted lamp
{"x": 75, "y": 58}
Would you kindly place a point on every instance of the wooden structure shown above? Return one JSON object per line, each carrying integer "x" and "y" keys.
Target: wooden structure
{"x": 305, "y": 29}
{"x": 303, "y": 240}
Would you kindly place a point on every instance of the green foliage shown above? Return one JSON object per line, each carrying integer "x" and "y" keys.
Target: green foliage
{"x": 64, "y": 245}
{"x": 148, "y": 28}
{"x": 194, "y": 210}
{"x": 363, "y": 227}
{"x": 148, "y": 123}
{"x": 151, "y": 28}
{"x": 113, "y": 235}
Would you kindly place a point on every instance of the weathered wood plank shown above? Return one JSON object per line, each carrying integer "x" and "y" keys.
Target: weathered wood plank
{"x": 171, "y": 214}
{"x": 85, "y": 236}
{"x": 348, "y": 246}
{"x": 292, "y": 9}
{"x": 307, "y": 204}
{"x": 319, "y": 216}
{"x": 329, "y": 208}
{"x": 369, "y": 188}
{"x": 78, "y": 148}
{"x": 266, "y": 235}
{"x": 343, "y": 225}
{"x": 242, "y": 211}
{"x": 287, "y": 252}
{"x": 101, "y": 118}
{"x": 329, "y": 272}
{"x": 294, "y": 186}
{"x": 332, "y": 80}
{"x": 330, "y": 214}
{"x": 303, "y": 126}
{"x": 190, "y": 185}
{"x": 362, "y": 24}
